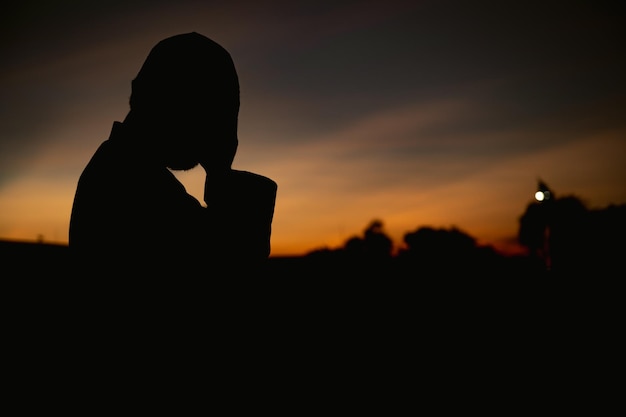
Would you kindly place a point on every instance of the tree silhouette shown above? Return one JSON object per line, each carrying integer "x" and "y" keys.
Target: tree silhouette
{"x": 371, "y": 252}
{"x": 569, "y": 239}
{"x": 441, "y": 250}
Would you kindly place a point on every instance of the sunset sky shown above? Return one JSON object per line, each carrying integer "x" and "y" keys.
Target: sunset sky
{"x": 417, "y": 113}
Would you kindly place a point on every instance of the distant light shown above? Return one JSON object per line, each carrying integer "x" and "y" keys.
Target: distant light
{"x": 542, "y": 195}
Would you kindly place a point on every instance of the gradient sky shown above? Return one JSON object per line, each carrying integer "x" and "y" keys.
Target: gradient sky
{"x": 417, "y": 113}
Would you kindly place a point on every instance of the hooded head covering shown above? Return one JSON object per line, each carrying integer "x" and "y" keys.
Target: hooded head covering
{"x": 187, "y": 81}
{"x": 186, "y": 70}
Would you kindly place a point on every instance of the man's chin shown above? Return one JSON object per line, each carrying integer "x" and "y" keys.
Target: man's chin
{"x": 182, "y": 166}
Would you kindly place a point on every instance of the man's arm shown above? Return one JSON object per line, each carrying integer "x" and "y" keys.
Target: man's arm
{"x": 242, "y": 206}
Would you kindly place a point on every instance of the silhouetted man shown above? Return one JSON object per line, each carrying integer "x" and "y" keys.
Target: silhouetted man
{"x": 131, "y": 214}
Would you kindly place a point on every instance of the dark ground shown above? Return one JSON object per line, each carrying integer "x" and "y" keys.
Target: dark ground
{"x": 40, "y": 271}
{"x": 46, "y": 260}
{"x": 306, "y": 313}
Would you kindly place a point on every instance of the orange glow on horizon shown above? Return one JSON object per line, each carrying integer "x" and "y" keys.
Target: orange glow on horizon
{"x": 321, "y": 203}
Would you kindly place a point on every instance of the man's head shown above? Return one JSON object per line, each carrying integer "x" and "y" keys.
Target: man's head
{"x": 187, "y": 95}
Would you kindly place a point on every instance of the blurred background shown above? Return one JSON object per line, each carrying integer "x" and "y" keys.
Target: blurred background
{"x": 438, "y": 114}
